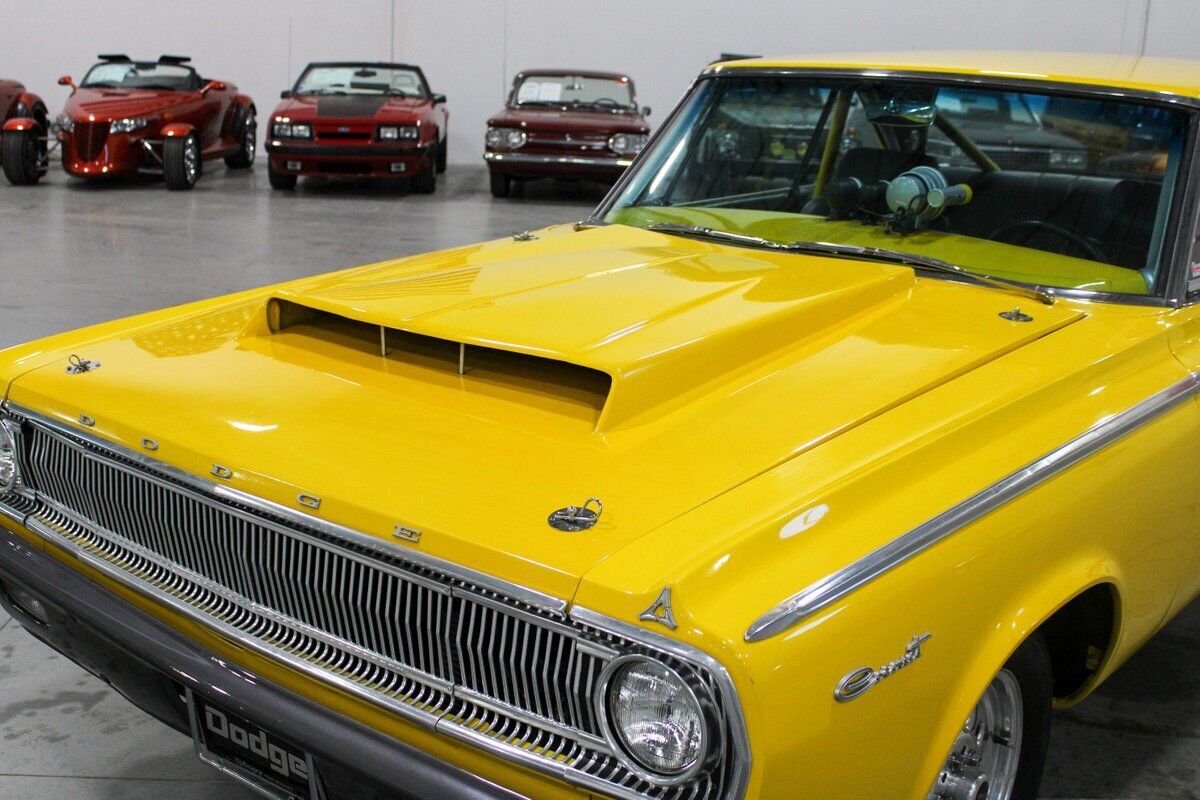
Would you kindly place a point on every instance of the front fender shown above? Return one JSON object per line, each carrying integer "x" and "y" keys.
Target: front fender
{"x": 23, "y": 124}
{"x": 177, "y": 129}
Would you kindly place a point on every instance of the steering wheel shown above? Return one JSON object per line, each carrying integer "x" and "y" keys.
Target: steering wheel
{"x": 1087, "y": 247}
{"x": 606, "y": 101}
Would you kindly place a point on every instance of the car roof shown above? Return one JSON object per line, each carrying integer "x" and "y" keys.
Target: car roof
{"x": 1139, "y": 73}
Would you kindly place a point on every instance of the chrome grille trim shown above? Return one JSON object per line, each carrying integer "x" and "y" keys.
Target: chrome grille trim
{"x": 513, "y": 677}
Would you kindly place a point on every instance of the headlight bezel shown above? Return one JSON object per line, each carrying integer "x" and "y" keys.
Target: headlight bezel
{"x": 283, "y": 128}
{"x": 127, "y": 125}
{"x": 711, "y": 741}
{"x": 509, "y": 138}
{"x": 10, "y": 439}
{"x": 398, "y": 133}
{"x": 65, "y": 123}
{"x": 636, "y": 143}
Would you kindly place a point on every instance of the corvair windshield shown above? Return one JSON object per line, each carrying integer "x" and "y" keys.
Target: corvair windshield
{"x": 574, "y": 91}
{"x": 361, "y": 79}
{"x": 141, "y": 75}
{"x": 986, "y": 180}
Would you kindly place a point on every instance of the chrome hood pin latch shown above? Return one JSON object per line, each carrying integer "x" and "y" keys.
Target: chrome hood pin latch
{"x": 577, "y": 518}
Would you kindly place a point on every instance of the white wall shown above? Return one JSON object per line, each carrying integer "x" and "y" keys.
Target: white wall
{"x": 470, "y": 48}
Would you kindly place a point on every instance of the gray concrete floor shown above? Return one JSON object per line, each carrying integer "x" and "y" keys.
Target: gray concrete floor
{"x": 73, "y": 254}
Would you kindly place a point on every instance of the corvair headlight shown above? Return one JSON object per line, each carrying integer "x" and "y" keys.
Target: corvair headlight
{"x": 65, "y": 123}
{"x": 627, "y": 144}
{"x": 9, "y": 468}
{"x": 283, "y": 129}
{"x": 655, "y": 720}
{"x": 394, "y": 133}
{"x": 128, "y": 125}
{"x": 505, "y": 138}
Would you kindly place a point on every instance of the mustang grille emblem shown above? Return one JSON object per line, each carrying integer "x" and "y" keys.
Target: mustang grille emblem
{"x": 858, "y": 682}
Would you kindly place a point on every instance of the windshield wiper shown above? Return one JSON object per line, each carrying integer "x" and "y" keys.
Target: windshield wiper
{"x": 854, "y": 251}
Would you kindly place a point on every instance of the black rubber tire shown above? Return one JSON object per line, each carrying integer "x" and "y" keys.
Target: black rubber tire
{"x": 21, "y": 163}
{"x": 425, "y": 181}
{"x": 1031, "y": 666}
{"x": 501, "y": 184}
{"x": 247, "y": 128}
{"x": 280, "y": 181}
{"x": 175, "y": 171}
{"x": 443, "y": 146}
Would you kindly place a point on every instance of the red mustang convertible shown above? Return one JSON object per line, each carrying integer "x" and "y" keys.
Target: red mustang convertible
{"x": 127, "y": 116}
{"x": 564, "y": 124}
{"x": 359, "y": 118}
{"x": 26, "y": 126}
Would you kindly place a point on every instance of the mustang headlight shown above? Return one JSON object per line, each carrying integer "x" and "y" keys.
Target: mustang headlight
{"x": 627, "y": 144}
{"x": 1069, "y": 158}
{"x": 65, "y": 123}
{"x": 505, "y": 138}
{"x": 127, "y": 125}
{"x": 394, "y": 133}
{"x": 282, "y": 129}
{"x": 654, "y": 720}
{"x": 9, "y": 470}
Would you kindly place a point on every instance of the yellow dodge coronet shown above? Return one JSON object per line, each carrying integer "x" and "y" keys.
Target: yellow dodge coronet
{"x": 854, "y": 431}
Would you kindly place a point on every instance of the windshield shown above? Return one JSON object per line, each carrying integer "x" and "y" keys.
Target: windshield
{"x": 362, "y": 79}
{"x": 1054, "y": 190}
{"x": 130, "y": 75}
{"x": 574, "y": 90}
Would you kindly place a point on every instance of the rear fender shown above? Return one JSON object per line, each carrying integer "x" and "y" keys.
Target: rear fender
{"x": 177, "y": 130}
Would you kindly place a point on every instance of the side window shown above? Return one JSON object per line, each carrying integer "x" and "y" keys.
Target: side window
{"x": 1194, "y": 262}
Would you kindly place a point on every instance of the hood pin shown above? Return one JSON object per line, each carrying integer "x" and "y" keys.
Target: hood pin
{"x": 78, "y": 366}
{"x": 577, "y": 518}
{"x": 523, "y": 236}
{"x": 1016, "y": 315}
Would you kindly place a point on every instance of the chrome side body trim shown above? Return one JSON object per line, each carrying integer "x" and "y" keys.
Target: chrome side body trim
{"x": 833, "y": 588}
{"x": 569, "y": 161}
{"x": 533, "y": 597}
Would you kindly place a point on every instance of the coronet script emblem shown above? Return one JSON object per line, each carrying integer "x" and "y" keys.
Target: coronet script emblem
{"x": 857, "y": 682}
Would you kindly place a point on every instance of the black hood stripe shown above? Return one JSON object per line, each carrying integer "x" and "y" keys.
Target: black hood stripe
{"x": 350, "y": 106}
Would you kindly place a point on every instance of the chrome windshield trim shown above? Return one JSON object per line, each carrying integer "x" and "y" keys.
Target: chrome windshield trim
{"x": 568, "y": 161}
{"x": 833, "y": 588}
{"x": 416, "y": 558}
{"x": 731, "y": 706}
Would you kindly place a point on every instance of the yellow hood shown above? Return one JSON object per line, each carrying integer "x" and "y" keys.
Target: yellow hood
{"x": 654, "y": 373}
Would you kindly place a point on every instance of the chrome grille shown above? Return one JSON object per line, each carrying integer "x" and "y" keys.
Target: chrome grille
{"x": 444, "y": 651}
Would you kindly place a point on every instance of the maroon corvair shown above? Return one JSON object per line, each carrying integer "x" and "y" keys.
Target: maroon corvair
{"x": 26, "y": 126}
{"x": 359, "y": 118}
{"x": 127, "y": 116}
{"x": 565, "y": 124}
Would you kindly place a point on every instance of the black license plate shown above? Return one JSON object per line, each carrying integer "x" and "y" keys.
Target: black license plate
{"x": 250, "y": 753}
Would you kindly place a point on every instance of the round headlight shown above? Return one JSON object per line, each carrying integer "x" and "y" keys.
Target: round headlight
{"x": 510, "y": 138}
{"x": 8, "y": 460}
{"x": 627, "y": 144}
{"x": 654, "y": 720}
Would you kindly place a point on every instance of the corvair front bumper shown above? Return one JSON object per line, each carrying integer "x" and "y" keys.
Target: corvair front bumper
{"x": 156, "y": 668}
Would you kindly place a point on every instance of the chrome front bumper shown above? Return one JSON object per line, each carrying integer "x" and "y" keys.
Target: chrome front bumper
{"x": 551, "y": 161}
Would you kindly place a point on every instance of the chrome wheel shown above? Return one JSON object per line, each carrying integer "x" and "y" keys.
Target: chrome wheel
{"x": 250, "y": 139}
{"x": 191, "y": 160}
{"x": 983, "y": 763}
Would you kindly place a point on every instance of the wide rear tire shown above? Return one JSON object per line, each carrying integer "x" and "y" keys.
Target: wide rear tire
{"x": 1002, "y": 749}
{"x": 501, "y": 184}
{"x": 248, "y": 142}
{"x": 181, "y": 161}
{"x": 280, "y": 181}
{"x": 22, "y": 157}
